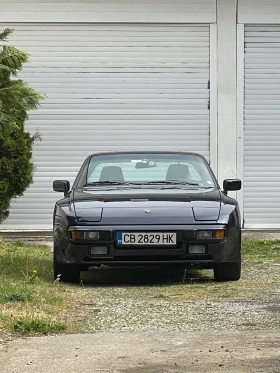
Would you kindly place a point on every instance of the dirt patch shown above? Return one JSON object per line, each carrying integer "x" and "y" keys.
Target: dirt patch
{"x": 145, "y": 352}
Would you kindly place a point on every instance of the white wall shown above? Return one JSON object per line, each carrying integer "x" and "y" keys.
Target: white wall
{"x": 174, "y": 11}
{"x": 226, "y": 61}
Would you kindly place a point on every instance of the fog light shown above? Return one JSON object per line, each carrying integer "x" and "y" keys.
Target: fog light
{"x": 98, "y": 250}
{"x": 202, "y": 235}
{"x": 197, "y": 249}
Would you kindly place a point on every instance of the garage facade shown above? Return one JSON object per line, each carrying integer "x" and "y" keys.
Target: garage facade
{"x": 187, "y": 75}
{"x": 111, "y": 85}
{"x": 259, "y": 118}
{"x": 261, "y": 126}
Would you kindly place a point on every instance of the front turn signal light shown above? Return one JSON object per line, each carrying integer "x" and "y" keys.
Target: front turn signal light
{"x": 76, "y": 235}
{"x": 220, "y": 234}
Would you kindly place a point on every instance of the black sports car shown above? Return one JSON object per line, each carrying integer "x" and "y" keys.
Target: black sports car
{"x": 146, "y": 208}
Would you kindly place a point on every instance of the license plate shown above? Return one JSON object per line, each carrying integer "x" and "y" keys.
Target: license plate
{"x": 144, "y": 238}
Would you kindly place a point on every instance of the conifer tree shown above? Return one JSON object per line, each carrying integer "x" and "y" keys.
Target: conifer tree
{"x": 16, "y": 99}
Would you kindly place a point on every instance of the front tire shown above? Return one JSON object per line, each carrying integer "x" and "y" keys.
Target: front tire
{"x": 227, "y": 271}
{"x": 66, "y": 272}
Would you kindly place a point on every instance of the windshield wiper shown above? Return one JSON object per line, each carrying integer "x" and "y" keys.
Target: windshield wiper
{"x": 159, "y": 182}
{"x": 105, "y": 182}
{"x": 169, "y": 182}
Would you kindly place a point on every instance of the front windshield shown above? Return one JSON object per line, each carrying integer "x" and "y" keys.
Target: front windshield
{"x": 147, "y": 168}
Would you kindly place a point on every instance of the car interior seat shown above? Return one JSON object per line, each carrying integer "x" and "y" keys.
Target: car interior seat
{"x": 179, "y": 172}
{"x": 111, "y": 173}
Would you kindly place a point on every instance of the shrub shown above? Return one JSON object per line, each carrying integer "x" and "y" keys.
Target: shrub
{"x": 16, "y": 99}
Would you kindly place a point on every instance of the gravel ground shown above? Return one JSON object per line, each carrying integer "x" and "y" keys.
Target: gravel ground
{"x": 131, "y": 300}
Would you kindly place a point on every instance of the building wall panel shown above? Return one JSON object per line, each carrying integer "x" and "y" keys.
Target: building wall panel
{"x": 261, "y": 127}
{"x": 175, "y": 11}
{"x": 130, "y": 94}
{"x": 259, "y": 11}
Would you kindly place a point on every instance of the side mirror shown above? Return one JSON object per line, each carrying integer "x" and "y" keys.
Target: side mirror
{"x": 231, "y": 184}
{"x": 61, "y": 186}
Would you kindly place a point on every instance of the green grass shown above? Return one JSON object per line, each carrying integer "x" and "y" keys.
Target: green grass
{"x": 32, "y": 323}
{"x": 261, "y": 249}
{"x": 30, "y": 302}
{"x": 11, "y": 294}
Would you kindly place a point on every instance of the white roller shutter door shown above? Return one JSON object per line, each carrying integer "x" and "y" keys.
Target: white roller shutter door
{"x": 109, "y": 87}
{"x": 262, "y": 127}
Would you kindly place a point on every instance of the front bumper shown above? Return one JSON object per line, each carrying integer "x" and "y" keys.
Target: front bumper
{"x": 225, "y": 250}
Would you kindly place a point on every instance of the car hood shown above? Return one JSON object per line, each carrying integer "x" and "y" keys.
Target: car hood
{"x": 147, "y": 207}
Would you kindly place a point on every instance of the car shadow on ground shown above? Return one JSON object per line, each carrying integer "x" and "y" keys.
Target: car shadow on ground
{"x": 143, "y": 276}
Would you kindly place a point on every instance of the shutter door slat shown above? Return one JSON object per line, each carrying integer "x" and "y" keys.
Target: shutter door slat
{"x": 262, "y": 127}
{"x": 109, "y": 88}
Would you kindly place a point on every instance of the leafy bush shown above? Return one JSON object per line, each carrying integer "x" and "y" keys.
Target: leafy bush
{"x": 16, "y": 99}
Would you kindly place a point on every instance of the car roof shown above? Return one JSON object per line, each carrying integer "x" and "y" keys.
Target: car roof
{"x": 145, "y": 152}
